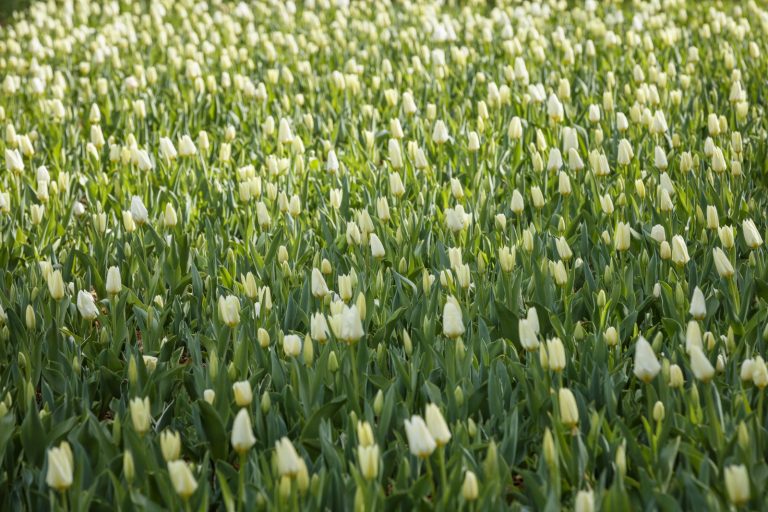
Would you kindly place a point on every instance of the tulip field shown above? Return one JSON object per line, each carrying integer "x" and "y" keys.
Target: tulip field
{"x": 335, "y": 255}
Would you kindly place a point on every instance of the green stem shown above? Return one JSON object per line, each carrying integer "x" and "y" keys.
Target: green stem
{"x": 114, "y": 321}
{"x": 566, "y": 293}
{"x": 716, "y": 420}
{"x": 443, "y": 473}
{"x": 431, "y": 479}
{"x": 649, "y": 401}
{"x": 760, "y": 421}
{"x": 355, "y": 377}
{"x": 735, "y": 294}
{"x": 656, "y": 437}
{"x": 294, "y": 495}
{"x": 241, "y": 482}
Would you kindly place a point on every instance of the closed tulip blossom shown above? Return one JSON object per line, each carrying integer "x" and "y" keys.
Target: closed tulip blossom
{"x": 292, "y": 345}
{"x": 453, "y": 324}
{"x": 556, "y": 355}
{"x": 700, "y": 365}
{"x": 60, "y": 467}
{"x": 437, "y": 425}
{"x": 187, "y": 146}
{"x": 86, "y": 305}
{"x": 242, "y": 432}
{"x": 243, "y": 393}
{"x": 569, "y": 411}
{"x": 349, "y": 325}
{"x": 440, "y": 133}
{"x": 420, "y": 440}
{"x": 679, "y": 250}
{"x": 751, "y": 234}
{"x": 288, "y": 461}
{"x": 368, "y": 458}
{"x": 737, "y": 484}
{"x": 622, "y": 237}
{"x": 698, "y": 309}
{"x": 722, "y": 263}
{"x": 56, "y": 285}
{"x": 114, "y": 284}
{"x": 184, "y": 482}
{"x": 141, "y": 416}
{"x": 528, "y": 337}
{"x": 470, "y": 487}
{"x": 170, "y": 445}
{"x": 585, "y": 501}
{"x": 319, "y": 286}
{"x": 377, "y": 248}
{"x": 646, "y": 366}
{"x": 139, "y": 211}
{"x": 229, "y": 310}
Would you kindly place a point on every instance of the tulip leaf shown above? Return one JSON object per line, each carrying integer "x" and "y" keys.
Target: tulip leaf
{"x": 213, "y": 429}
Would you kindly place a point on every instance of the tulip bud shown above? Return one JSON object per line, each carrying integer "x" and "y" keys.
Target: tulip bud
{"x": 548, "y": 446}
{"x": 333, "y": 362}
{"x": 56, "y": 285}
{"x": 491, "y": 464}
{"x": 229, "y": 310}
{"x": 569, "y": 412}
{"x": 263, "y": 336}
{"x": 698, "y": 309}
{"x": 601, "y": 297}
{"x": 242, "y": 432}
{"x": 60, "y": 467}
{"x": 113, "y": 284}
{"x": 141, "y": 415}
{"x": 183, "y": 480}
{"x": 737, "y": 484}
{"x": 378, "y": 403}
{"x": 658, "y": 411}
{"x": 676, "y": 379}
{"x": 611, "y": 336}
{"x": 621, "y": 460}
{"x": 469, "y": 489}
{"x": 128, "y": 467}
{"x": 751, "y": 234}
{"x": 213, "y": 364}
{"x": 308, "y": 350}
{"x": 243, "y": 393}
{"x": 453, "y": 324}
{"x": 647, "y": 366}
{"x": 170, "y": 445}
{"x": 437, "y": 426}
{"x": 622, "y": 237}
{"x": 743, "y": 436}
{"x": 133, "y": 371}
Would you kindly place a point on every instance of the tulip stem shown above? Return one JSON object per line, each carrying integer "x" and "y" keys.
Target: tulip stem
{"x": 443, "y": 474}
{"x": 294, "y": 496}
{"x": 113, "y": 308}
{"x": 241, "y": 482}
{"x": 716, "y": 420}
{"x": 735, "y": 295}
{"x": 431, "y": 480}
{"x": 649, "y": 402}
{"x": 355, "y": 377}
{"x": 760, "y": 421}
